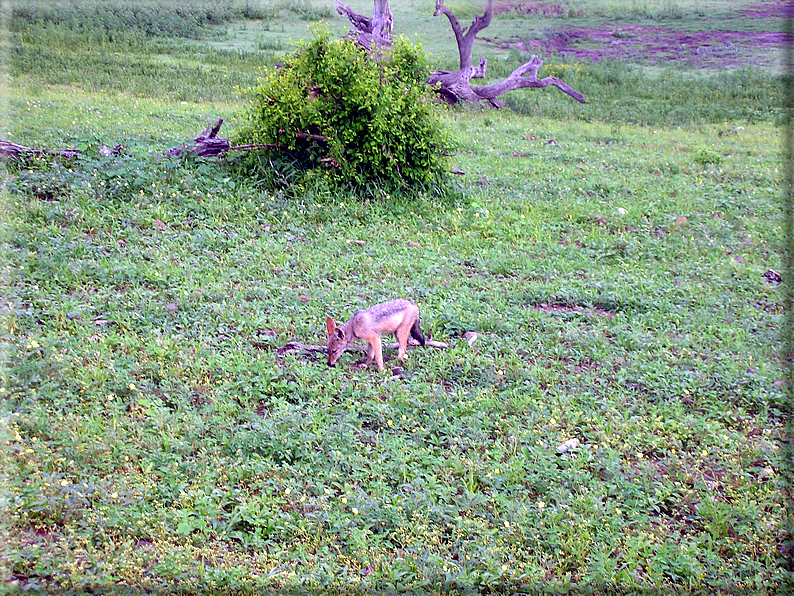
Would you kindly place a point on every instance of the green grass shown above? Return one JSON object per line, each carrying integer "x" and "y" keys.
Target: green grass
{"x": 611, "y": 264}
{"x": 114, "y": 20}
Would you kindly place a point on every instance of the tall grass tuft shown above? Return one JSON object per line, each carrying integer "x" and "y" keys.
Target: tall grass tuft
{"x": 152, "y": 19}
{"x": 621, "y": 93}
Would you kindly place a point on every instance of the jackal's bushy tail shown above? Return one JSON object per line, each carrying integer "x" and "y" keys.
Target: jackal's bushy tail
{"x": 416, "y": 333}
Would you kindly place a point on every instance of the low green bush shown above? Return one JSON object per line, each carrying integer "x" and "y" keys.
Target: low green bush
{"x": 370, "y": 119}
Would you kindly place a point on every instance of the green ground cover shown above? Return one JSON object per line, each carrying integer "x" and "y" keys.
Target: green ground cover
{"x": 610, "y": 257}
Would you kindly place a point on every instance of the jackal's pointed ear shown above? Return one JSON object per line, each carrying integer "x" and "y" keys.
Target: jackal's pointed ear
{"x": 330, "y": 326}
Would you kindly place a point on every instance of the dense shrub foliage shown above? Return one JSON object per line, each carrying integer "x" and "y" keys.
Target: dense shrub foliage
{"x": 374, "y": 114}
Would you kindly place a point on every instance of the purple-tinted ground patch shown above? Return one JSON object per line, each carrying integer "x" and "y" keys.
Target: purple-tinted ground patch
{"x": 765, "y": 11}
{"x": 699, "y": 48}
{"x": 653, "y": 45}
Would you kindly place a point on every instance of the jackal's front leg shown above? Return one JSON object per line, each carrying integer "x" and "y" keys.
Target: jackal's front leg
{"x": 374, "y": 348}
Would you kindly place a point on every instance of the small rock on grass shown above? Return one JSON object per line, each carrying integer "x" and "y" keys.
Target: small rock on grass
{"x": 773, "y": 277}
{"x": 568, "y": 445}
{"x": 470, "y": 337}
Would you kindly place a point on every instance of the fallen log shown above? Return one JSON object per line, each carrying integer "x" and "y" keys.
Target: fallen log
{"x": 296, "y": 347}
{"x": 9, "y": 150}
{"x": 208, "y": 144}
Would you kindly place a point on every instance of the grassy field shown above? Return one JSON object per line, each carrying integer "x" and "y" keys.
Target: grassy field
{"x": 610, "y": 257}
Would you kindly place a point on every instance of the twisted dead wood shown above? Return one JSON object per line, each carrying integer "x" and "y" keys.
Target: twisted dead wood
{"x": 455, "y": 86}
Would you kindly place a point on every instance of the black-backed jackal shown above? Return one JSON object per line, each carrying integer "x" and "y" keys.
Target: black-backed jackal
{"x": 400, "y": 317}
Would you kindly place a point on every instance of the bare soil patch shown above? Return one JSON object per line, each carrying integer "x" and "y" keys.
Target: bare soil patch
{"x": 765, "y": 11}
{"x": 547, "y": 9}
{"x": 656, "y": 45}
{"x": 567, "y": 309}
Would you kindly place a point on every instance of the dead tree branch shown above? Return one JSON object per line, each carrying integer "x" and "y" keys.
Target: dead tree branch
{"x": 525, "y": 76}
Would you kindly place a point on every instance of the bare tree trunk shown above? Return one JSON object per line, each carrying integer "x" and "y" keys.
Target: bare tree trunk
{"x": 377, "y": 30}
{"x": 465, "y": 38}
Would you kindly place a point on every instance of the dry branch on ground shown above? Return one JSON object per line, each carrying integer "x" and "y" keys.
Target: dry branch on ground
{"x": 207, "y": 144}
{"x": 9, "y": 150}
{"x": 311, "y": 351}
{"x": 296, "y": 347}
